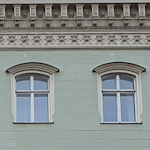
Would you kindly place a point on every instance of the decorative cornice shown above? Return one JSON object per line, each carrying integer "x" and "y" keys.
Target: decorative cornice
{"x": 75, "y": 16}
{"x": 68, "y": 1}
{"x": 32, "y": 66}
{"x": 119, "y": 66}
{"x": 75, "y": 40}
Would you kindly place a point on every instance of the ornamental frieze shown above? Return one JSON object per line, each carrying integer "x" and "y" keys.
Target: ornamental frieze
{"x": 73, "y": 40}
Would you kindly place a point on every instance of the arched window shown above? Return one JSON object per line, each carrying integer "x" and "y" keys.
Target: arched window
{"x": 33, "y": 92}
{"x": 119, "y": 91}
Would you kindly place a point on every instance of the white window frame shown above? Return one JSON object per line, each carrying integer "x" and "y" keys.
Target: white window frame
{"x": 118, "y": 91}
{"x": 33, "y": 68}
{"x": 122, "y": 68}
{"x": 49, "y": 92}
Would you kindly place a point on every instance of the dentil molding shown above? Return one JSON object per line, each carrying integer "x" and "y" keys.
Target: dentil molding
{"x": 75, "y": 16}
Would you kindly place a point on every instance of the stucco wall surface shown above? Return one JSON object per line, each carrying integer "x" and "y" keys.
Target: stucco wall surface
{"x": 76, "y": 121}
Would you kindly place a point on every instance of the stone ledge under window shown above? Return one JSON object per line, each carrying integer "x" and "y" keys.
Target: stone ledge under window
{"x": 122, "y": 123}
{"x": 33, "y": 122}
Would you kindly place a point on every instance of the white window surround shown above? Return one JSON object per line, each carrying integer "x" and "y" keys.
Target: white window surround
{"x": 33, "y": 68}
{"x": 125, "y": 68}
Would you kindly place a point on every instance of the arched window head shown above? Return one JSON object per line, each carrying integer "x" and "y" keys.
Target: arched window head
{"x": 119, "y": 92}
{"x": 33, "y": 92}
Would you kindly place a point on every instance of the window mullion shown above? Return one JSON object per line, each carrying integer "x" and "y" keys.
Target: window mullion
{"x": 32, "y": 98}
{"x": 118, "y": 82}
{"x": 31, "y": 83}
{"x": 118, "y": 107}
{"x": 32, "y": 107}
{"x": 118, "y": 99}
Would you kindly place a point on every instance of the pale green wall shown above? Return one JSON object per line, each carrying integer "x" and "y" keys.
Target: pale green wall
{"x": 77, "y": 122}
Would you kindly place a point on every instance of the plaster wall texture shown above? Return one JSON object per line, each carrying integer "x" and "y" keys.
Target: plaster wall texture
{"x": 77, "y": 122}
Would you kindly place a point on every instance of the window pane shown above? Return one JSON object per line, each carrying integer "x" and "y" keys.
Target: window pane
{"x": 110, "y": 107}
{"x": 23, "y": 83}
{"x": 23, "y": 108}
{"x": 109, "y": 82}
{"x": 40, "y": 83}
{"x": 126, "y": 82}
{"x": 41, "y": 107}
{"x": 127, "y": 108}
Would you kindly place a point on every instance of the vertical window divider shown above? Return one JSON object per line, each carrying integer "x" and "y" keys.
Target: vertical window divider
{"x": 135, "y": 102}
{"x": 49, "y": 101}
{"x": 32, "y": 97}
{"x": 118, "y": 99}
{"x": 14, "y": 101}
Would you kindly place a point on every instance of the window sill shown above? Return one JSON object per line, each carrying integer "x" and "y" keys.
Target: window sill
{"x": 33, "y": 122}
{"x": 121, "y": 123}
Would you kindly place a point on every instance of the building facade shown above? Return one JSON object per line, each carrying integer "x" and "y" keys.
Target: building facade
{"x": 74, "y": 75}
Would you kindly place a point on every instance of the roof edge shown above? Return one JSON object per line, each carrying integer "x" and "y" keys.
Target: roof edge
{"x": 68, "y": 1}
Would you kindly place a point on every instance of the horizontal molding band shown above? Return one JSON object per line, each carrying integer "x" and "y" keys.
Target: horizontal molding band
{"x": 73, "y": 40}
{"x": 68, "y": 1}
